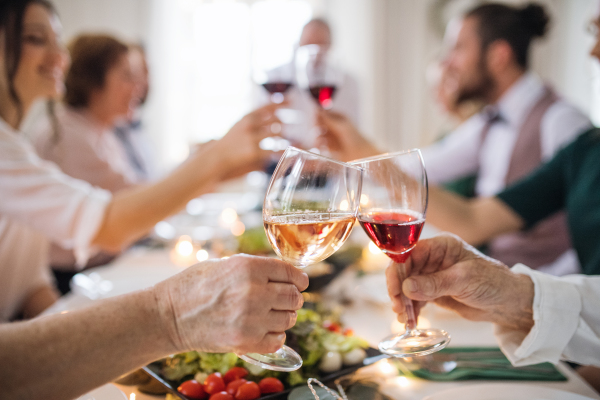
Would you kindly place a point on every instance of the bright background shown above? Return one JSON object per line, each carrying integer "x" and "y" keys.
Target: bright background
{"x": 202, "y": 53}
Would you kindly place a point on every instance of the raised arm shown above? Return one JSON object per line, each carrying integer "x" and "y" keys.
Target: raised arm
{"x": 475, "y": 220}
{"x": 65, "y": 355}
{"x": 133, "y": 212}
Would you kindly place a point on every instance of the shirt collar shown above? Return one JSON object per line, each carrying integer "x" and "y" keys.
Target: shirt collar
{"x": 516, "y": 103}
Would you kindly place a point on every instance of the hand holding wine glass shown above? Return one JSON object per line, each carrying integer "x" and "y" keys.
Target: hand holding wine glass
{"x": 392, "y": 213}
{"x": 308, "y": 213}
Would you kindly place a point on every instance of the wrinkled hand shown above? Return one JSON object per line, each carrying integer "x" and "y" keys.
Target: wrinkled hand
{"x": 241, "y": 304}
{"x": 454, "y": 275}
{"x": 239, "y": 148}
{"x": 342, "y": 138}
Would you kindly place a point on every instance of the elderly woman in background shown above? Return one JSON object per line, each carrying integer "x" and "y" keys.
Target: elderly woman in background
{"x": 99, "y": 91}
{"x": 41, "y": 204}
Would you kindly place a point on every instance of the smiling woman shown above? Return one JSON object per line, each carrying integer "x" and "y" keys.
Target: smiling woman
{"x": 40, "y": 203}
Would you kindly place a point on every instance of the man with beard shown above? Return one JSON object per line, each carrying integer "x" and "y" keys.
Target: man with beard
{"x": 523, "y": 125}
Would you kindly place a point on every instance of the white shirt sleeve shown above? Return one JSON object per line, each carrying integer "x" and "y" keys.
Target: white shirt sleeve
{"x": 561, "y": 124}
{"x": 36, "y": 193}
{"x": 456, "y": 155}
{"x": 566, "y": 321}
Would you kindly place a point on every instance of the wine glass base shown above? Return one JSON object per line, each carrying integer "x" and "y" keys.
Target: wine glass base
{"x": 418, "y": 342}
{"x": 285, "y": 359}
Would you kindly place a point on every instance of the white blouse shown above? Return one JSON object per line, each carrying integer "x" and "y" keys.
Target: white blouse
{"x": 39, "y": 203}
{"x": 566, "y": 321}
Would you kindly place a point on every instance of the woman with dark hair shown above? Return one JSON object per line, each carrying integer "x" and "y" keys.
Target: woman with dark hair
{"x": 72, "y": 353}
{"x": 41, "y": 204}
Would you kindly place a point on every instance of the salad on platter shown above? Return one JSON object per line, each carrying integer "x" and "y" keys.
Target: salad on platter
{"x": 327, "y": 349}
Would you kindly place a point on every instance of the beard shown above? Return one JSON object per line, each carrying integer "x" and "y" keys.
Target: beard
{"x": 479, "y": 87}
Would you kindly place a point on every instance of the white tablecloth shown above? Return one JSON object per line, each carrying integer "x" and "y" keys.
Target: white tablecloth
{"x": 140, "y": 268}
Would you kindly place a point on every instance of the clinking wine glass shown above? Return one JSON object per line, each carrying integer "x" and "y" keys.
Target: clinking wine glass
{"x": 392, "y": 213}
{"x": 277, "y": 81}
{"x": 318, "y": 72}
{"x": 308, "y": 213}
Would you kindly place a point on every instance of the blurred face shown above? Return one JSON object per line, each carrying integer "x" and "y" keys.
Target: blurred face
{"x": 43, "y": 62}
{"x": 466, "y": 65}
{"x": 595, "y": 30}
{"x": 140, "y": 74}
{"x": 118, "y": 95}
{"x": 315, "y": 33}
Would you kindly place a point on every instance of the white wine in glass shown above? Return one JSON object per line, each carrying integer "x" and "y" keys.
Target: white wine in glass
{"x": 308, "y": 213}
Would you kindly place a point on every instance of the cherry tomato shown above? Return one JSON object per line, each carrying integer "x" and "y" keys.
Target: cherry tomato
{"x": 270, "y": 385}
{"x": 192, "y": 389}
{"x": 332, "y": 326}
{"x": 248, "y": 391}
{"x": 235, "y": 373}
{"x": 221, "y": 396}
{"x": 232, "y": 387}
{"x": 214, "y": 383}
{"x": 348, "y": 332}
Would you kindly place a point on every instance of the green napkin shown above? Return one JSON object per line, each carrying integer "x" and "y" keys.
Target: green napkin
{"x": 478, "y": 363}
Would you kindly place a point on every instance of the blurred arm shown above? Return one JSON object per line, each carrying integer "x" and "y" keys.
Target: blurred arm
{"x": 456, "y": 155}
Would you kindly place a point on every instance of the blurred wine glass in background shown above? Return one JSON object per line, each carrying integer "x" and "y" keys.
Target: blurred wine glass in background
{"x": 318, "y": 72}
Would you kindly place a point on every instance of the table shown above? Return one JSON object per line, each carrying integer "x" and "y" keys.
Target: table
{"x": 141, "y": 267}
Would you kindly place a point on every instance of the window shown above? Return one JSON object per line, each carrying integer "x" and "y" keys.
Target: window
{"x": 202, "y": 82}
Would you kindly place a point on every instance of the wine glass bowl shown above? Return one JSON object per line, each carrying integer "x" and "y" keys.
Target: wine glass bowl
{"x": 392, "y": 213}
{"x": 317, "y": 71}
{"x": 276, "y": 81}
{"x": 309, "y": 211}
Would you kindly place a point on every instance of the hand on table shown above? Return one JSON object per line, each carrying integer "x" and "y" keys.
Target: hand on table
{"x": 342, "y": 138}
{"x": 241, "y": 304}
{"x": 454, "y": 275}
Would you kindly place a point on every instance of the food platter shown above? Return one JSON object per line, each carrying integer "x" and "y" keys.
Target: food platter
{"x": 154, "y": 370}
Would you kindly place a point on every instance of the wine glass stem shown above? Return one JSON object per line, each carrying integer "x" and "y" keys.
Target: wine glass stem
{"x": 411, "y": 320}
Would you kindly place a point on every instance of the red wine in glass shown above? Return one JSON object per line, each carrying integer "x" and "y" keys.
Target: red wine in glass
{"x": 277, "y": 87}
{"x": 394, "y": 232}
{"x": 323, "y": 94}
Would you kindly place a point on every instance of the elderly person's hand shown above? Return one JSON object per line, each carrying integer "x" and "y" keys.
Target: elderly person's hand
{"x": 241, "y": 304}
{"x": 342, "y": 138}
{"x": 454, "y": 275}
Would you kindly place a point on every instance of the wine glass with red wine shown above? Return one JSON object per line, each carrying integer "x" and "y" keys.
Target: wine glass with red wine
{"x": 318, "y": 72}
{"x": 392, "y": 213}
{"x": 276, "y": 81}
{"x": 308, "y": 213}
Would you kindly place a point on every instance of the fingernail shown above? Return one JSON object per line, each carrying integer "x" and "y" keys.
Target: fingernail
{"x": 412, "y": 285}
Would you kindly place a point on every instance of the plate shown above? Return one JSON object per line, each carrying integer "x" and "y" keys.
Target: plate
{"x": 106, "y": 392}
{"x": 505, "y": 391}
{"x": 154, "y": 371}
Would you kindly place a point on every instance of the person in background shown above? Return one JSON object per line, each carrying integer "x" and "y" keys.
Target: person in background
{"x": 41, "y": 204}
{"x": 524, "y": 124}
{"x": 300, "y": 127}
{"x": 130, "y": 131}
{"x": 100, "y": 90}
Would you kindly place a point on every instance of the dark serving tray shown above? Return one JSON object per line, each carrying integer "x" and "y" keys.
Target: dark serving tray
{"x": 154, "y": 371}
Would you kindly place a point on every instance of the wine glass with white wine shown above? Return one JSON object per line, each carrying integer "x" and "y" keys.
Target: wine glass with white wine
{"x": 309, "y": 211}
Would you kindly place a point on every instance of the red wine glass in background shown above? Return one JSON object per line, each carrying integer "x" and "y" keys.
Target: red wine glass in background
{"x": 308, "y": 213}
{"x": 276, "y": 81}
{"x": 392, "y": 213}
{"x": 317, "y": 71}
